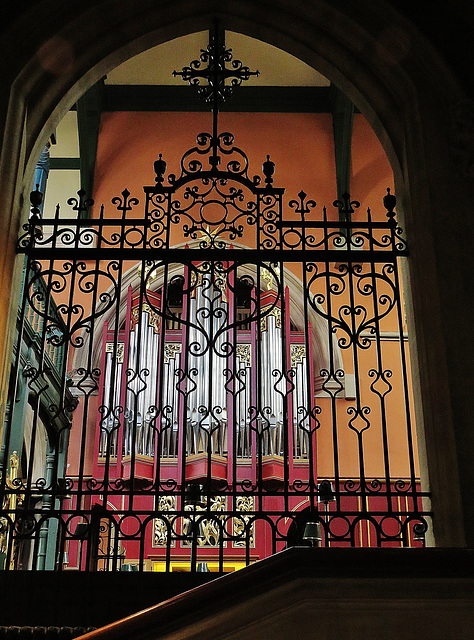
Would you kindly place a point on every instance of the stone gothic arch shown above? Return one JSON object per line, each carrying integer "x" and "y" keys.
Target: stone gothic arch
{"x": 399, "y": 83}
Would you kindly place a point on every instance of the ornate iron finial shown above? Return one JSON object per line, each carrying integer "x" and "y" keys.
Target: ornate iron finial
{"x": 80, "y": 204}
{"x": 389, "y": 202}
{"x": 215, "y": 74}
{"x": 346, "y": 206}
{"x": 211, "y": 69}
{"x": 125, "y": 203}
{"x": 160, "y": 168}
{"x": 303, "y": 206}
{"x": 268, "y": 168}
{"x": 34, "y": 222}
{"x": 36, "y": 198}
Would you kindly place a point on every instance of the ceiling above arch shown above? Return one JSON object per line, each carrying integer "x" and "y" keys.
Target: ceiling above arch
{"x": 276, "y": 67}
{"x": 145, "y": 82}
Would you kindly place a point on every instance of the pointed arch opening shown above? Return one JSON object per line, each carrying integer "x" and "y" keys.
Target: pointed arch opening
{"x": 398, "y": 171}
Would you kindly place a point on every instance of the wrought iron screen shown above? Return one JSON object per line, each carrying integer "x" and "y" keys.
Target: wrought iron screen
{"x": 196, "y": 380}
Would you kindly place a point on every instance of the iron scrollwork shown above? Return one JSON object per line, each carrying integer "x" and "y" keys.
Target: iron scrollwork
{"x": 241, "y": 360}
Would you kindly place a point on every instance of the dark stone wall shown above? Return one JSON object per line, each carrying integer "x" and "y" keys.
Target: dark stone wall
{"x": 448, "y": 25}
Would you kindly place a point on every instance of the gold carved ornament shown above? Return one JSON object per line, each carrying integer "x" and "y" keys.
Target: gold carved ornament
{"x": 244, "y": 353}
{"x": 171, "y": 350}
{"x": 160, "y": 530}
{"x": 10, "y": 504}
{"x": 109, "y": 348}
{"x": 297, "y": 354}
{"x": 240, "y": 523}
{"x": 274, "y": 312}
{"x": 209, "y": 530}
{"x": 153, "y": 317}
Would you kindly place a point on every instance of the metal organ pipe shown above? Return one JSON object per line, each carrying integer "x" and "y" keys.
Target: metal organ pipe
{"x": 300, "y": 421}
{"x": 243, "y": 405}
{"x": 111, "y": 406}
{"x": 273, "y": 387}
{"x": 207, "y": 415}
{"x": 170, "y": 400}
{"x": 107, "y": 422}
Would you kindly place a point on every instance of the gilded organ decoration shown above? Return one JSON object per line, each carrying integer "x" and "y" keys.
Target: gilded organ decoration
{"x": 243, "y": 532}
{"x": 269, "y": 280}
{"x": 244, "y": 353}
{"x": 297, "y": 353}
{"x": 110, "y": 347}
{"x": 161, "y": 526}
{"x": 152, "y": 316}
{"x": 170, "y": 352}
{"x": 276, "y": 313}
{"x": 10, "y": 502}
{"x": 208, "y": 530}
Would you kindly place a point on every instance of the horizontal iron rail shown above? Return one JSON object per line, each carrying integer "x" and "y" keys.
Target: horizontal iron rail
{"x": 153, "y": 491}
{"x": 239, "y": 256}
{"x": 335, "y": 225}
{"x": 213, "y": 174}
{"x": 229, "y": 513}
{"x": 93, "y": 222}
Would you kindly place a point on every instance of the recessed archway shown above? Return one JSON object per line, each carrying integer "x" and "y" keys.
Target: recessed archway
{"x": 370, "y": 54}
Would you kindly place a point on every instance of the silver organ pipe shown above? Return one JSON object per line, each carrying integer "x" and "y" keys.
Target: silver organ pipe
{"x": 131, "y": 387}
{"x": 273, "y": 388}
{"x": 111, "y": 404}
{"x": 107, "y": 422}
{"x": 243, "y": 400}
{"x": 118, "y": 378}
{"x": 170, "y": 401}
{"x": 206, "y": 410}
{"x": 300, "y": 417}
{"x": 141, "y": 399}
{"x": 150, "y": 400}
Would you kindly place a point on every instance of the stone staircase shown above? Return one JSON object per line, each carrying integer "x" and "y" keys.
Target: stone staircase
{"x": 320, "y": 594}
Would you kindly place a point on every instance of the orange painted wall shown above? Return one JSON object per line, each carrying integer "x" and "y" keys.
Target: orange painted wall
{"x": 300, "y": 145}
{"x": 371, "y": 173}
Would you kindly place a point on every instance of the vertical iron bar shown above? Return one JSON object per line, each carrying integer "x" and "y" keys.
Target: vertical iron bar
{"x": 378, "y": 347}
{"x": 332, "y": 372}
{"x": 82, "y": 453}
{"x": 160, "y": 390}
{"x": 411, "y": 454}
{"x": 117, "y": 429}
{"x": 354, "y": 333}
